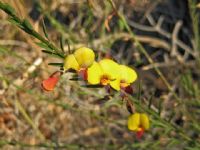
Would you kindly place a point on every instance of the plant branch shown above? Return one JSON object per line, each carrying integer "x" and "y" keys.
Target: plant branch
{"x": 27, "y": 27}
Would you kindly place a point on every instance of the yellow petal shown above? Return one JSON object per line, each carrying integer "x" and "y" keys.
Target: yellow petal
{"x": 115, "y": 84}
{"x": 134, "y": 122}
{"x": 84, "y": 56}
{"x": 94, "y": 73}
{"x": 70, "y": 63}
{"x": 110, "y": 68}
{"x": 127, "y": 74}
{"x": 144, "y": 121}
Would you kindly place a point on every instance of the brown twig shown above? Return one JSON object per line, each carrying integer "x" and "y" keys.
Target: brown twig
{"x": 157, "y": 27}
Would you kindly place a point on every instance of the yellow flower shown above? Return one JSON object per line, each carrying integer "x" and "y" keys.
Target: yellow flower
{"x": 138, "y": 122}
{"x": 126, "y": 76}
{"x": 71, "y": 63}
{"x": 105, "y": 72}
{"x": 82, "y": 58}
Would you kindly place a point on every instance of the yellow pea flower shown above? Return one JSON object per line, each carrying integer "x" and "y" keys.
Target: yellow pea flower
{"x": 81, "y": 58}
{"x": 138, "y": 122}
{"x": 84, "y": 56}
{"x": 126, "y": 76}
{"x": 105, "y": 72}
{"x": 70, "y": 62}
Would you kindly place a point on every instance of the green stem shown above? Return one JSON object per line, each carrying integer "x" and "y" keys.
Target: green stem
{"x": 26, "y": 26}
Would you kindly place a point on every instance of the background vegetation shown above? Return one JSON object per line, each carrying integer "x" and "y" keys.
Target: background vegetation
{"x": 159, "y": 38}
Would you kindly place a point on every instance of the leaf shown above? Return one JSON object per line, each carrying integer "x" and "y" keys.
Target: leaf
{"x": 27, "y": 24}
{"x": 76, "y": 79}
{"x": 44, "y": 29}
{"x": 140, "y": 90}
{"x": 48, "y": 52}
{"x": 15, "y": 22}
{"x": 121, "y": 25}
{"x": 43, "y": 45}
{"x": 7, "y": 8}
{"x": 159, "y": 106}
{"x": 56, "y": 64}
{"x": 52, "y": 53}
{"x": 92, "y": 86}
{"x": 62, "y": 43}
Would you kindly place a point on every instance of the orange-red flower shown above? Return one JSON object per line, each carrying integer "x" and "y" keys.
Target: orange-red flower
{"x": 50, "y": 83}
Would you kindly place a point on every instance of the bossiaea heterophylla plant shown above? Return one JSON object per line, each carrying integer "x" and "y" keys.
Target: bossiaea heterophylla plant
{"x": 107, "y": 73}
{"x": 49, "y": 84}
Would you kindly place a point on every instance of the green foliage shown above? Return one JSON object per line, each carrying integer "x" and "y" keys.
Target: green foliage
{"x": 190, "y": 86}
{"x": 25, "y": 25}
{"x": 8, "y": 9}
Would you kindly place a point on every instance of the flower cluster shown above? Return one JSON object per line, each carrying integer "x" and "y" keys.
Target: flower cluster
{"x": 105, "y": 72}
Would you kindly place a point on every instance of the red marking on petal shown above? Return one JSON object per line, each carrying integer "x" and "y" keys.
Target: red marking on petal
{"x": 129, "y": 90}
{"x": 83, "y": 73}
{"x": 50, "y": 83}
{"x": 140, "y": 133}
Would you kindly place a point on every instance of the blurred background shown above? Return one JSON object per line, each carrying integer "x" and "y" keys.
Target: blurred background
{"x": 74, "y": 117}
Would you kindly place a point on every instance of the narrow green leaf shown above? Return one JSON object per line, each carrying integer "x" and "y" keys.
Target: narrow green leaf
{"x": 76, "y": 79}
{"x": 15, "y": 22}
{"x": 52, "y": 53}
{"x": 7, "y": 8}
{"x": 49, "y": 52}
{"x": 27, "y": 24}
{"x": 92, "y": 86}
{"x": 69, "y": 49}
{"x": 139, "y": 91}
{"x": 44, "y": 29}
{"x": 121, "y": 25}
{"x": 62, "y": 43}
{"x": 56, "y": 64}
{"x": 43, "y": 45}
{"x": 160, "y": 106}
